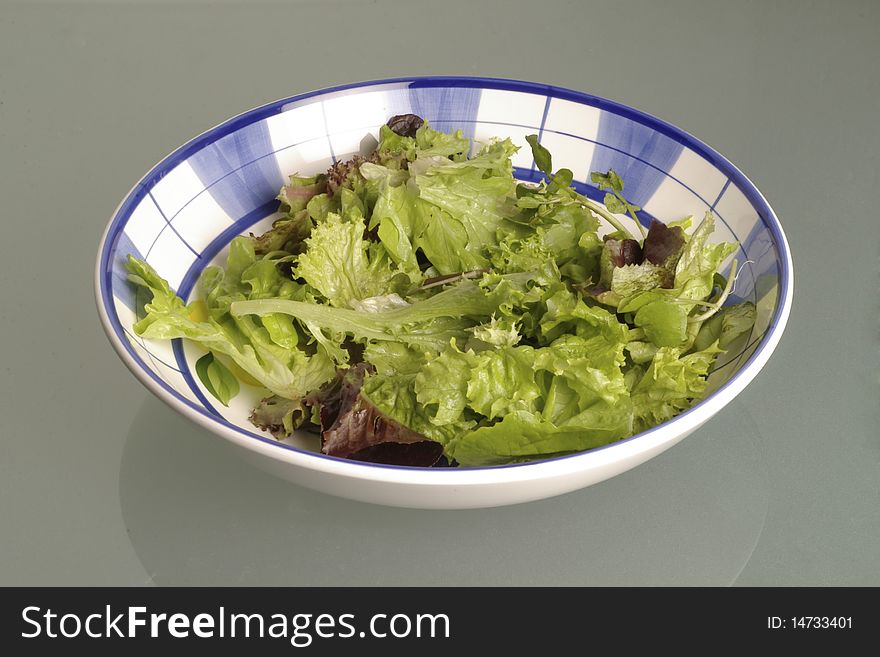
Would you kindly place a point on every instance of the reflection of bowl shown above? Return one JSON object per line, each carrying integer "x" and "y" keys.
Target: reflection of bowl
{"x": 183, "y": 213}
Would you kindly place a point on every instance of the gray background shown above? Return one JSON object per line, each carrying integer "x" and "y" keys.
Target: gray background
{"x": 100, "y": 483}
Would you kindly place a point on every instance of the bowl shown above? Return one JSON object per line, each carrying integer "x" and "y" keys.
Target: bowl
{"x": 184, "y": 212}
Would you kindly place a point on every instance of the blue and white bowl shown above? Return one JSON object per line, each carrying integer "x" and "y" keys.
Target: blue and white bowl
{"x": 182, "y": 215}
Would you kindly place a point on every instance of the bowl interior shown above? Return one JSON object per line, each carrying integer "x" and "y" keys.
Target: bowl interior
{"x": 183, "y": 214}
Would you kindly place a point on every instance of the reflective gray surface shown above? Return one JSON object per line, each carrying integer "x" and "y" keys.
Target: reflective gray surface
{"x": 100, "y": 483}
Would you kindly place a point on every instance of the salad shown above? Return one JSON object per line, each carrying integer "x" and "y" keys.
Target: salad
{"x": 420, "y": 306}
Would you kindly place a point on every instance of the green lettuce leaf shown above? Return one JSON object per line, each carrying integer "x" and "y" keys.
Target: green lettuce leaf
{"x": 445, "y": 242}
{"x": 433, "y": 143}
{"x": 641, "y": 352}
{"x": 396, "y": 397}
{"x": 217, "y": 379}
{"x": 441, "y": 386}
{"x": 571, "y": 235}
{"x": 566, "y": 397}
{"x": 501, "y": 381}
{"x": 393, "y": 358}
{"x": 474, "y": 196}
{"x": 525, "y": 436}
{"x": 585, "y": 377}
{"x": 391, "y": 144}
{"x": 379, "y": 177}
{"x": 341, "y": 265}
{"x": 563, "y": 398}
{"x": 629, "y": 280}
{"x": 671, "y": 384}
{"x": 429, "y": 323}
{"x": 568, "y": 314}
{"x": 396, "y": 214}
{"x": 289, "y": 373}
{"x": 664, "y": 322}
{"x": 516, "y": 253}
{"x": 451, "y": 211}
{"x": 663, "y": 313}
{"x": 247, "y": 276}
{"x": 726, "y": 326}
{"x": 695, "y": 271}
{"x": 426, "y": 143}
{"x": 322, "y": 205}
{"x": 497, "y": 332}
{"x": 299, "y": 190}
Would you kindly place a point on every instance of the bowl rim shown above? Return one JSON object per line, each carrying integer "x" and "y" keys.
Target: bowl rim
{"x": 599, "y": 457}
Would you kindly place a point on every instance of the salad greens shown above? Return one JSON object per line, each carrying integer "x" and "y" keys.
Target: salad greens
{"x": 418, "y": 305}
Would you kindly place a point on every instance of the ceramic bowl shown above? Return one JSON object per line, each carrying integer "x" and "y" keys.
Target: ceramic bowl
{"x": 183, "y": 213}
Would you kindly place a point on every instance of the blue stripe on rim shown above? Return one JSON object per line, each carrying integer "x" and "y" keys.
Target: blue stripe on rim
{"x": 129, "y": 293}
{"x": 641, "y": 157}
{"x": 765, "y": 213}
{"x": 255, "y": 176}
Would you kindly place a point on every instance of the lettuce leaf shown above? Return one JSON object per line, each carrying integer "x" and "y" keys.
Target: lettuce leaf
{"x": 629, "y": 280}
{"x": 299, "y": 190}
{"x": 393, "y": 358}
{"x": 695, "y": 271}
{"x": 571, "y": 236}
{"x": 568, "y": 314}
{"x": 451, "y": 214}
{"x": 565, "y": 397}
{"x": 396, "y": 214}
{"x": 441, "y": 386}
{"x": 497, "y": 332}
{"x": 665, "y": 323}
{"x": 341, "y": 265}
{"x": 279, "y": 416}
{"x": 289, "y": 373}
{"x": 726, "y": 326}
{"x": 524, "y": 436}
{"x": 354, "y": 427}
{"x": 472, "y": 198}
{"x": 396, "y": 398}
{"x": 428, "y": 323}
{"x": 426, "y": 142}
{"x": 571, "y": 396}
{"x": 663, "y": 312}
{"x": 671, "y": 384}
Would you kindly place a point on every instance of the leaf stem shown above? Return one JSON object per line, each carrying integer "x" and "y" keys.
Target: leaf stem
{"x": 691, "y": 302}
{"x": 716, "y": 305}
{"x": 451, "y": 278}
{"x": 550, "y": 402}
{"x": 633, "y": 215}
{"x": 602, "y": 212}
